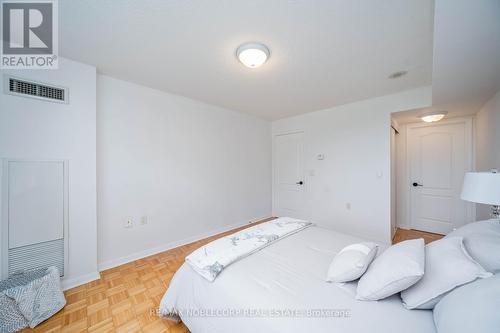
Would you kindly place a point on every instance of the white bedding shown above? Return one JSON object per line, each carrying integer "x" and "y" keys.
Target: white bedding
{"x": 287, "y": 275}
{"x": 211, "y": 259}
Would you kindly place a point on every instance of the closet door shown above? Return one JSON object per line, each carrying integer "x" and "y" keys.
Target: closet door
{"x": 36, "y": 214}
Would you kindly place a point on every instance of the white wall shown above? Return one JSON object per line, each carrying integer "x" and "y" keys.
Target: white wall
{"x": 355, "y": 139}
{"x": 394, "y": 183}
{"x": 488, "y": 144}
{"x": 402, "y": 192}
{"x": 191, "y": 168}
{"x": 34, "y": 129}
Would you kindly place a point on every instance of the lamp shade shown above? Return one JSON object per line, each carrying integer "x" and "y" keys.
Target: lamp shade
{"x": 482, "y": 187}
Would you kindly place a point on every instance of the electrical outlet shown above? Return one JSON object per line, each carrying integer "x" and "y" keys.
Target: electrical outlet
{"x": 144, "y": 220}
{"x": 128, "y": 223}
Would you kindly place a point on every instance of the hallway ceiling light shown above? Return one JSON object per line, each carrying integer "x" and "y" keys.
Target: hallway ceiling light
{"x": 434, "y": 116}
{"x": 252, "y": 55}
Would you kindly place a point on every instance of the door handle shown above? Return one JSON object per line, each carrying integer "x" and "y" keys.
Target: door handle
{"x": 300, "y": 183}
{"x": 417, "y": 184}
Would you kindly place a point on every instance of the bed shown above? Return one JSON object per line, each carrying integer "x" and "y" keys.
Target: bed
{"x": 282, "y": 288}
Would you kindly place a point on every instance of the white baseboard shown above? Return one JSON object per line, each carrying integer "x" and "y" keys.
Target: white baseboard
{"x": 168, "y": 246}
{"x": 79, "y": 280}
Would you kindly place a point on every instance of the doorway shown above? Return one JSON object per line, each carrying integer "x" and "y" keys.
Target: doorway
{"x": 435, "y": 158}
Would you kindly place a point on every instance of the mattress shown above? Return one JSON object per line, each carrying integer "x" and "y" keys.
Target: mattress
{"x": 282, "y": 288}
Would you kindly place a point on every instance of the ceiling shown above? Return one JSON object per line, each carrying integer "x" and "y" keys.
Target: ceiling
{"x": 323, "y": 53}
{"x": 466, "y": 69}
{"x": 466, "y": 58}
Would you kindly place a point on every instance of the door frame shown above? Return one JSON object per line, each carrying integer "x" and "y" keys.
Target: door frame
{"x": 470, "y": 208}
{"x": 394, "y": 180}
{"x": 274, "y": 170}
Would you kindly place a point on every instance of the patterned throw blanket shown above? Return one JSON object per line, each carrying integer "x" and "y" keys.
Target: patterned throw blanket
{"x": 28, "y": 298}
{"x": 211, "y": 259}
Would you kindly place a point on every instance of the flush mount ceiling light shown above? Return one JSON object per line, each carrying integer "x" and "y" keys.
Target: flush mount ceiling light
{"x": 252, "y": 55}
{"x": 397, "y": 75}
{"x": 431, "y": 117}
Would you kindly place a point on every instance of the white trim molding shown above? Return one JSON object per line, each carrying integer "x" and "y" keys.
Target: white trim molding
{"x": 79, "y": 280}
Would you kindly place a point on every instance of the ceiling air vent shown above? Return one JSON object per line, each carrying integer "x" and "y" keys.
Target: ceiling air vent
{"x": 25, "y": 88}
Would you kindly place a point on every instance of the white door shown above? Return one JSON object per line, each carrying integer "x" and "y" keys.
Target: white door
{"x": 289, "y": 187}
{"x": 438, "y": 157}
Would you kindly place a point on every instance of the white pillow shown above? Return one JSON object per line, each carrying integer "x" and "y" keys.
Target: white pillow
{"x": 482, "y": 242}
{"x": 447, "y": 265}
{"x": 396, "y": 269}
{"x": 470, "y": 308}
{"x": 351, "y": 262}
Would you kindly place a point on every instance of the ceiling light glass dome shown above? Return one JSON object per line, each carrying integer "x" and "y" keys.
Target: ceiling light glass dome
{"x": 252, "y": 55}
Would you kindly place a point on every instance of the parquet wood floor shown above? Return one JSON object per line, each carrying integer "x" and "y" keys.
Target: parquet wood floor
{"x": 402, "y": 234}
{"x": 126, "y": 297}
